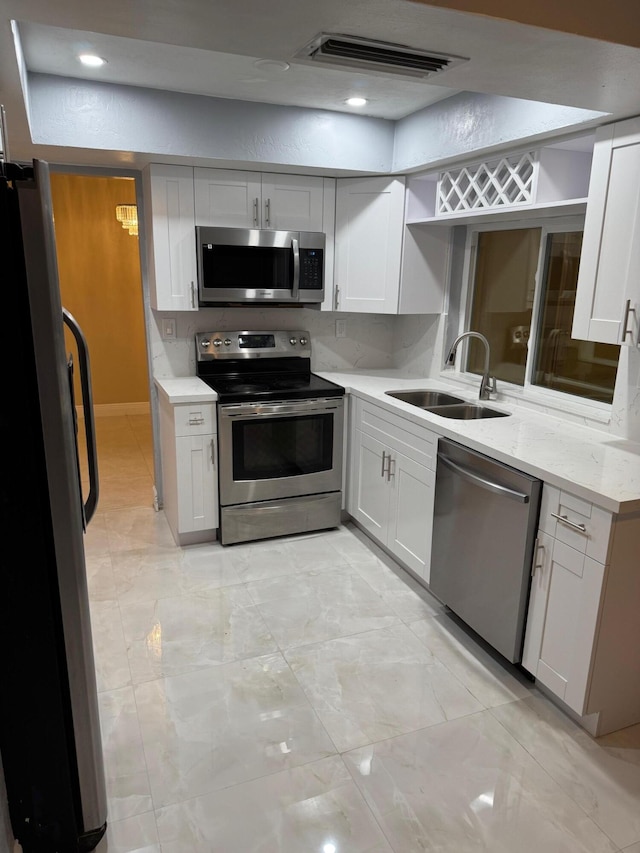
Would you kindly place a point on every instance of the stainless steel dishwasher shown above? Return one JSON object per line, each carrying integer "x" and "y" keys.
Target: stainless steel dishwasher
{"x": 484, "y": 529}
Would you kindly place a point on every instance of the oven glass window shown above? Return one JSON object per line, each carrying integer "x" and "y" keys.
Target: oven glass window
{"x": 273, "y": 447}
{"x": 239, "y": 267}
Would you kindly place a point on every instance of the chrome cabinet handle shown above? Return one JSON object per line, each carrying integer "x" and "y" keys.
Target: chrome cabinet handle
{"x": 573, "y": 524}
{"x": 213, "y": 452}
{"x": 255, "y": 211}
{"x": 193, "y": 295}
{"x": 336, "y": 298}
{"x": 536, "y": 565}
{"x": 267, "y": 212}
{"x": 195, "y": 421}
{"x": 625, "y": 322}
{"x": 383, "y": 470}
{"x": 391, "y": 470}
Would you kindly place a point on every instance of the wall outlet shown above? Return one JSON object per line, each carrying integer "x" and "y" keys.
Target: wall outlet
{"x": 341, "y": 328}
{"x": 168, "y": 329}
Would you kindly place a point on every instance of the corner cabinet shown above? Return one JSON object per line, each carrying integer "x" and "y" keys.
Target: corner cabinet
{"x": 381, "y": 265}
{"x": 170, "y": 231}
{"x": 391, "y": 483}
{"x": 607, "y": 306}
{"x": 583, "y": 632}
{"x": 189, "y": 450}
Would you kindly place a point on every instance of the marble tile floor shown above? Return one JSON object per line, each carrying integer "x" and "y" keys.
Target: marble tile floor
{"x": 305, "y": 695}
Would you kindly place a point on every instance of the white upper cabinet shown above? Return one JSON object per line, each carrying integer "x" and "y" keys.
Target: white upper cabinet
{"x": 381, "y": 265}
{"x": 252, "y": 200}
{"x": 608, "y": 297}
{"x": 227, "y": 198}
{"x": 292, "y": 202}
{"x": 170, "y": 226}
{"x": 369, "y": 222}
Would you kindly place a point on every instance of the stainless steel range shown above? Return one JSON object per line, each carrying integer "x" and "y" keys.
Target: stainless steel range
{"x": 280, "y": 430}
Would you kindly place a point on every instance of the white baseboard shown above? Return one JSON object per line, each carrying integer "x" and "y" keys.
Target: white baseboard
{"x": 116, "y": 410}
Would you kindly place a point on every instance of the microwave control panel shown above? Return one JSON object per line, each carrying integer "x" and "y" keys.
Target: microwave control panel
{"x": 311, "y": 269}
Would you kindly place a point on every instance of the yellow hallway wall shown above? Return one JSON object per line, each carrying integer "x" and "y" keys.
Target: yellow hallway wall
{"x": 100, "y": 282}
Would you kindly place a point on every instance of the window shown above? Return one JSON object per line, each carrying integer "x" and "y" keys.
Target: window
{"x": 522, "y": 296}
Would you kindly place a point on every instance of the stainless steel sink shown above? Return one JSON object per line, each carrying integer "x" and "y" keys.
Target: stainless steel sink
{"x": 425, "y": 398}
{"x": 466, "y": 412}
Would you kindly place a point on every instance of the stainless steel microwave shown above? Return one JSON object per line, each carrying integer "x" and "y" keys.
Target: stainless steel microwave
{"x": 248, "y": 265}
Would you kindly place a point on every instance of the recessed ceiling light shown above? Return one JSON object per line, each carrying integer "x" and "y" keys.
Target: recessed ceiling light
{"x": 91, "y": 60}
{"x": 356, "y": 102}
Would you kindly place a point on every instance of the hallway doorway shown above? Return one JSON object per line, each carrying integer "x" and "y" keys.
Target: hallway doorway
{"x": 101, "y": 285}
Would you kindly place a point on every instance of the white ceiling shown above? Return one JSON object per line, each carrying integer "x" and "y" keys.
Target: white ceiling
{"x": 211, "y": 46}
{"x": 177, "y": 68}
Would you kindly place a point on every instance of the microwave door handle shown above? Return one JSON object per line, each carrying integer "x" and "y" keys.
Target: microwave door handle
{"x": 295, "y": 248}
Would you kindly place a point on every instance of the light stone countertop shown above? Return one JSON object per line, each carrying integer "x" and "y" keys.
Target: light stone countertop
{"x": 589, "y": 463}
{"x": 186, "y": 389}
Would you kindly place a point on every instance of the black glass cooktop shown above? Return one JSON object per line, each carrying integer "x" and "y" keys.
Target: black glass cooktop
{"x": 263, "y": 387}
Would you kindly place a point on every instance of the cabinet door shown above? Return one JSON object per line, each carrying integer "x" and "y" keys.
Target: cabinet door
{"x": 172, "y": 256}
{"x": 608, "y": 295}
{"x": 369, "y": 222}
{"x": 370, "y": 489}
{"x": 292, "y": 202}
{"x": 411, "y": 513}
{"x": 574, "y": 584}
{"x": 196, "y": 483}
{"x": 227, "y": 198}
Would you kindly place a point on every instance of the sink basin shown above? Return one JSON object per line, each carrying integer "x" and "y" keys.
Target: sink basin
{"x": 424, "y": 399}
{"x": 467, "y": 412}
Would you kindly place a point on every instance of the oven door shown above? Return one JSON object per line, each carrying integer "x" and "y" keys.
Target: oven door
{"x": 279, "y": 450}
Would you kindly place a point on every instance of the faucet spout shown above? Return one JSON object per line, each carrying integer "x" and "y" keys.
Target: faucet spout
{"x": 487, "y": 383}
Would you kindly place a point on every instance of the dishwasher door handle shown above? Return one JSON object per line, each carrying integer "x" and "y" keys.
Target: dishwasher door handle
{"x": 496, "y": 488}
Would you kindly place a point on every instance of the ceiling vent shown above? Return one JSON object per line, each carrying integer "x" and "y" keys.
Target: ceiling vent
{"x": 363, "y": 54}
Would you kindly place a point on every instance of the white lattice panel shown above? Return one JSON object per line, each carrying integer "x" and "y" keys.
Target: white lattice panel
{"x": 499, "y": 183}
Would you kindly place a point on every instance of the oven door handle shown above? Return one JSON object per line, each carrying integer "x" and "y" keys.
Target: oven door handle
{"x": 295, "y": 248}
{"x": 250, "y": 410}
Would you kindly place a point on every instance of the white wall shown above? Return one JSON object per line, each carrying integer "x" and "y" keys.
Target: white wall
{"x": 474, "y": 124}
{"x": 172, "y": 126}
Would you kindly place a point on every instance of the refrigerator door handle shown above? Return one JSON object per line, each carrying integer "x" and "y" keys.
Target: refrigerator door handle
{"x": 87, "y": 406}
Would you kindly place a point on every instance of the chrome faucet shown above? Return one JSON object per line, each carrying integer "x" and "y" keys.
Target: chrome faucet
{"x": 487, "y": 383}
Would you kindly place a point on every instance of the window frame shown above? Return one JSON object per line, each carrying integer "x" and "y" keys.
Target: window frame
{"x": 528, "y": 391}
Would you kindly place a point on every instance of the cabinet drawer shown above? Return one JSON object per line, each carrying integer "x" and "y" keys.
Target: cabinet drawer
{"x": 576, "y": 522}
{"x": 413, "y": 440}
{"x": 195, "y": 418}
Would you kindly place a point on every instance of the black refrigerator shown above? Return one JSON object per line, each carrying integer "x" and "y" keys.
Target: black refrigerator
{"x": 49, "y": 726}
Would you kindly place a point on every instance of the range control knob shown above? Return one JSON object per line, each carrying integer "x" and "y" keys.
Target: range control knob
{"x": 217, "y": 342}
{"x": 205, "y": 343}
{"x": 227, "y": 342}
{"x": 303, "y": 342}
{"x": 293, "y": 341}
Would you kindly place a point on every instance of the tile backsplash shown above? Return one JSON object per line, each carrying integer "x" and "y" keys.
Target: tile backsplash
{"x": 368, "y": 341}
{"x": 410, "y": 343}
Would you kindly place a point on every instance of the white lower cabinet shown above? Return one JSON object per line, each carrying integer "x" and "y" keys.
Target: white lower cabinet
{"x": 391, "y": 483}
{"x": 583, "y": 631}
{"x": 189, "y": 470}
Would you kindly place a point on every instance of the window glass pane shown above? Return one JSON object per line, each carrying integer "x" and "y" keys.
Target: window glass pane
{"x": 503, "y": 293}
{"x": 563, "y": 363}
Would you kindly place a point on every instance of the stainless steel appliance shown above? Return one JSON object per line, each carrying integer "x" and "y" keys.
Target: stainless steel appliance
{"x": 485, "y": 520}
{"x": 280, "y": 433}
{"x": 239, "y": 265}
{"x": 49, "y": 726}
